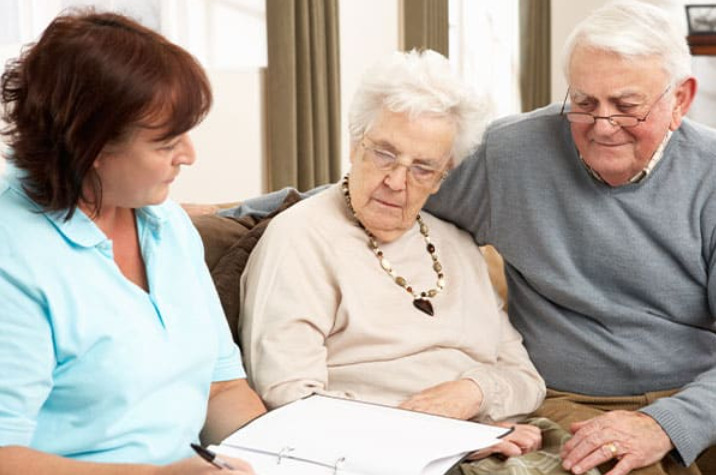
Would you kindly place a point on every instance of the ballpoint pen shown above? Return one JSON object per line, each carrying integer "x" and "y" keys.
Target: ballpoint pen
{"x": 211, "y": 457}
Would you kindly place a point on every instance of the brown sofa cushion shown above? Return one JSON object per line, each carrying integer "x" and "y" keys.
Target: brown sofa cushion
{"x": 219, "y": 234}
{"x": 228, "y": 242}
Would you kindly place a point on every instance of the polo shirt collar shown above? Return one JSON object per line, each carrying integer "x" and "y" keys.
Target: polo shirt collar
{"x": 80, "y": 229}
{"x": 153, "y": 217}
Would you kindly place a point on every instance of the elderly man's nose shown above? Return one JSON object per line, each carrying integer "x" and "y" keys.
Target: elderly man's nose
{"x": 604, "y": 125}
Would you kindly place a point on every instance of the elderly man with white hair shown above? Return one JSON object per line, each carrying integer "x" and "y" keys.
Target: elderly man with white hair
{"x": 605, "y": 213}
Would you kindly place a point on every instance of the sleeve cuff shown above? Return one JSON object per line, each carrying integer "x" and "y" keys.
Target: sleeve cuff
{"x": 491, "y": 404}
{"x": 229, "y": 367}
{"x": 685, "y": 450}
{"x": 16, "y": 436}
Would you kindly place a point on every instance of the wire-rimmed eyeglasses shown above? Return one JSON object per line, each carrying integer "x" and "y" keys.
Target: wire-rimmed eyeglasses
{"x": 385, "y": 160}
{"x": 621, "y": 120}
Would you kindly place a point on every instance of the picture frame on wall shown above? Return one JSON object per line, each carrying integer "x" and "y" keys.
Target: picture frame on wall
{"x": 701, "y": 19}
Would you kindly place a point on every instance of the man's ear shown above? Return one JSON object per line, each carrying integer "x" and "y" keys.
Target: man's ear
{"x": 685, "y": 93}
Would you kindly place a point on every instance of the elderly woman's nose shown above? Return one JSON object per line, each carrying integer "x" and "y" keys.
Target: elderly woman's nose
{"x": 397, "y": 178}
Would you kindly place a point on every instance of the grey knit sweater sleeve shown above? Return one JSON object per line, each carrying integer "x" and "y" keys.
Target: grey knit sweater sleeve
{"x": 263, "y": 205}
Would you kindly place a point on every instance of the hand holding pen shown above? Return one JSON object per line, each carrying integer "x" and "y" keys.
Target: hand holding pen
{"x": 217, "y": 462}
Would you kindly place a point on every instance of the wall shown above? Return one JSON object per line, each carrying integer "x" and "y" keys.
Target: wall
{"x": 704, "y": 68}
{"x": 230, "y": 144}
{"x": 369, "y": 30}
{"x": 565, "y": 14}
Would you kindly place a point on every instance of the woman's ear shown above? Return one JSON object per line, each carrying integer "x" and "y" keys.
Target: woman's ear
{"x": 354, "y": 151}
{"x": 684, "y": 95}
{"x": 101, "y": 158}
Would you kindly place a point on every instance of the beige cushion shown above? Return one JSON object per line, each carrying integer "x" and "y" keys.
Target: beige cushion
{"x": 495, "y": 267}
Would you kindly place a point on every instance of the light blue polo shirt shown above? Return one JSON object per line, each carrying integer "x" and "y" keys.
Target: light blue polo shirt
{"x": 93, "y": 367}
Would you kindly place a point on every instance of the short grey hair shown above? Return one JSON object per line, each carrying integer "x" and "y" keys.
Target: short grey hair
{"x": 419, "y": 83}
{"x": 632, "y": 28}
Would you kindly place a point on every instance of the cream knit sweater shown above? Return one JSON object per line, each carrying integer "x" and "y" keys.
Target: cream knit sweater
{"x": 319, "y": 315}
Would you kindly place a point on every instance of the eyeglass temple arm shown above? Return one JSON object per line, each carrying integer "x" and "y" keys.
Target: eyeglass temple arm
{"x": 564, "y": 102}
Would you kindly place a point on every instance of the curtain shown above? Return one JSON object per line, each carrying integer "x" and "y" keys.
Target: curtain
{"x": 425, "y": 25}
{"x": 535, "y": 57}
{"x": 303, "y": 89}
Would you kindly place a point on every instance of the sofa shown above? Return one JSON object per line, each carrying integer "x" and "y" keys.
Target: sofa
{"x": 228, "y": 243}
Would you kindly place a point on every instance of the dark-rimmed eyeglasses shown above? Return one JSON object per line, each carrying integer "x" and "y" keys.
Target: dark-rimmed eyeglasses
{"x": 385, "y": 160}
{"x": 621, "y": 120}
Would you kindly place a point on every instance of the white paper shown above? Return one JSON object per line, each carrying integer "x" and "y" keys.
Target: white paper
{"x": 361, "y": 438}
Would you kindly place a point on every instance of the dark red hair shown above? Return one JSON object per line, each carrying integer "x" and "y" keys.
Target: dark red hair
{"x": 89, "y": 80}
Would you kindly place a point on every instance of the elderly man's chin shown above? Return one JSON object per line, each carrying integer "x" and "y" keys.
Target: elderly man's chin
{"x": 615, "y": 169}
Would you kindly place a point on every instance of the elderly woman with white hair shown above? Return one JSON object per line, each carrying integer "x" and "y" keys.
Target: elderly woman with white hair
{"x": 357, "y": 293}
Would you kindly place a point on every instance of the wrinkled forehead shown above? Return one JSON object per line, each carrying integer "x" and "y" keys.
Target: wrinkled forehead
{"x": 424, "y": 136}
{"x": 586, "y": 52}
{"x": 389, "y": 122}
{"x": 628, "y": 94}
{"x": 606, "y": 73}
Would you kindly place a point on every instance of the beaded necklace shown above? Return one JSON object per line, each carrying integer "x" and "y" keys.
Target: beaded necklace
{"x": 420, "y": 300}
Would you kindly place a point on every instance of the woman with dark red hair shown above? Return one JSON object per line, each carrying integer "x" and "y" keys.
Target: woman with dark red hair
{"x": 114, "y": 349}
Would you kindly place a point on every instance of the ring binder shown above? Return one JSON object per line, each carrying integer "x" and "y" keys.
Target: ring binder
{"x": 323, "y": 435}
{"x": 282, "y": 453}
{"x": 338, "y": 464}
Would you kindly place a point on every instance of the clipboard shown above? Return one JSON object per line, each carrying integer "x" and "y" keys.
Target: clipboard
{"x": 324, "y": 435}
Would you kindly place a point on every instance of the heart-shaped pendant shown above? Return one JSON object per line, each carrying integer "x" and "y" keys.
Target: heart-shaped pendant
{"x": 424, "y": 306}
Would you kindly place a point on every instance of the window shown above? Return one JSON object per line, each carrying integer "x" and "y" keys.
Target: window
{"x": 222, "y": 34}
{"x": 229, "y": 39}
{"x": 484, "y": 48}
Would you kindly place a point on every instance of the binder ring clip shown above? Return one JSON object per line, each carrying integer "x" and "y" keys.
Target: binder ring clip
{"x": 282, "y": 453}
{"x": 338, "y": 464}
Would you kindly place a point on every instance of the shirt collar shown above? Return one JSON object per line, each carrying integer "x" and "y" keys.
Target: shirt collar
{"x": 153, "y": 217}
{"x": 643, "y": 173}
{"x": 80, "y": 229}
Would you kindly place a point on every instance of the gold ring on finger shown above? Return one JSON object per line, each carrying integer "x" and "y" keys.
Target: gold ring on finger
{"x": 611, "y": 449}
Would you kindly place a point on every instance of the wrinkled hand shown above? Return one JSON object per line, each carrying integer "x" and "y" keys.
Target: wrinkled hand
{"x": 633, "y": 438}
{"x": 198, "y": 466}
{"x": 523, "y": 439}
{"x": 458, "y": 399}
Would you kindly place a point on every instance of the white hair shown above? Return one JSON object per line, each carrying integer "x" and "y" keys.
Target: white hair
{"x": 632, "y": 28}
{"x": 419, "y": 83}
